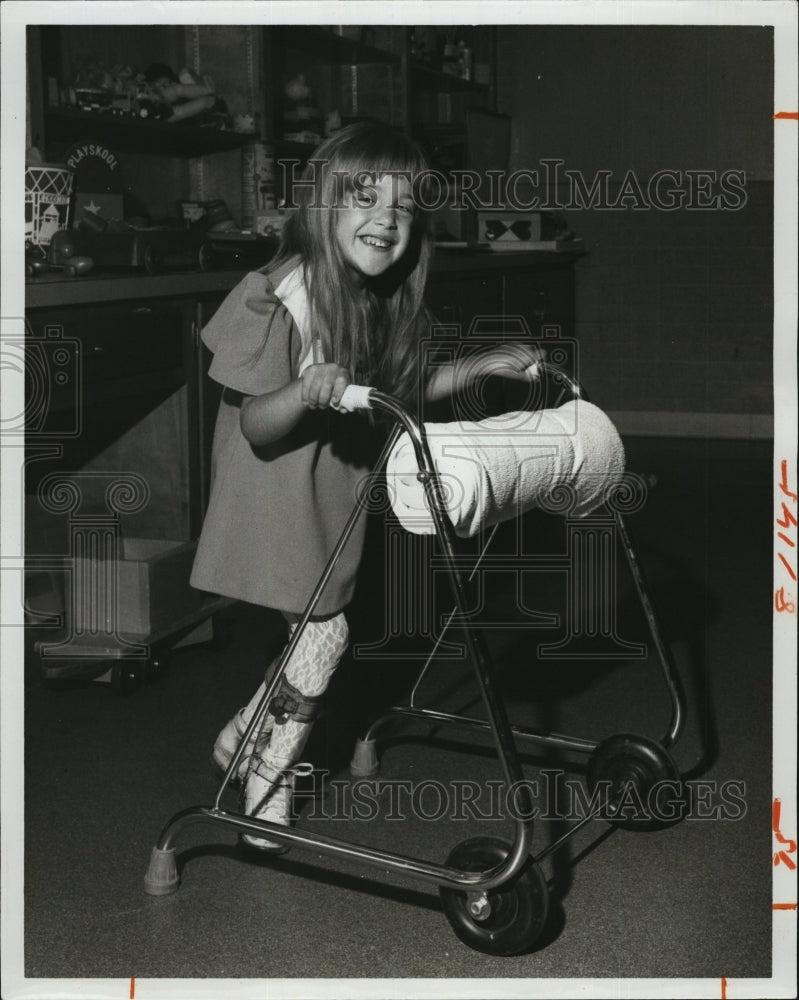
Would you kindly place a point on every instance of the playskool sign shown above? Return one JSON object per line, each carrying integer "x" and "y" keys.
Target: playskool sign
{"x": 97, "y": 152}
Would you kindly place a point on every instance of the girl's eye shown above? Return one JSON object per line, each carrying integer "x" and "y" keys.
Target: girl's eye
{"x": 364, "y": 199}
{"x": 408, "y": 208}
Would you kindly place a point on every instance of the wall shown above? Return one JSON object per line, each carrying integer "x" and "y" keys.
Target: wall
{"x": 674, "y": 308}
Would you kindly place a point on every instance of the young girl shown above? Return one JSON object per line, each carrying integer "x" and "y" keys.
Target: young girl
{"x": 342, "y": 302}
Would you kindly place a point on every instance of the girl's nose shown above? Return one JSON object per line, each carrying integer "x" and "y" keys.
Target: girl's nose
{"x": 386, "y": 215}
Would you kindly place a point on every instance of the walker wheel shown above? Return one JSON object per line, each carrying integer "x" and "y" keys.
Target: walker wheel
{"x": 127, "y": 676}
{"x": 503, "y": 921}
{"x": 640, "y": 779}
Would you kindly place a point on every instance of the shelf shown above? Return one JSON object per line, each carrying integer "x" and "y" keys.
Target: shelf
{"x": 288, "y": 149}
{"x": 66, "y": 125}
{"x": 336, "y": 48}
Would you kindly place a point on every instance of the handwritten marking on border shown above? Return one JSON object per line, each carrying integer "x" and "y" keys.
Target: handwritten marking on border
{"x": 782, "y": 857}
{"x": 787, "y": 520}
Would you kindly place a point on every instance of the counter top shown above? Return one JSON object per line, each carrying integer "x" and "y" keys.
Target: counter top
{"x": 48, "y": 290}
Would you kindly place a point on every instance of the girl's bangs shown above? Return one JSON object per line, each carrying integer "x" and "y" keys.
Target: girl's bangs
{"x": 377, "y": 152}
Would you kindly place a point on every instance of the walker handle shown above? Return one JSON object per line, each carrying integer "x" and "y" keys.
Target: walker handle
{"x": 355, "y": 397}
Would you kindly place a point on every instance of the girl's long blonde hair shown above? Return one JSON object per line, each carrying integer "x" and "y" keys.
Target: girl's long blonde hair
{"x": 372, "y": 329}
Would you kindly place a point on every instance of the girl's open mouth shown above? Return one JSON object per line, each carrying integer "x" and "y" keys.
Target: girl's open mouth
{"x": 375, "y": 241}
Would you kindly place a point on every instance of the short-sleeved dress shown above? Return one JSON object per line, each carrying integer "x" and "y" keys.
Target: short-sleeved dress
{"x": 276, "y": 511}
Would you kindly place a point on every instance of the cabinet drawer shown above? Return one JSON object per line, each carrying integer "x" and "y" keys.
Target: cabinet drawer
{"x": 113, "y": 343}
{"x": 85, "y": 356}
{"x": 109, "y": 382}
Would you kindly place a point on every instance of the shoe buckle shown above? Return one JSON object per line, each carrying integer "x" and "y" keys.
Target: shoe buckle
{"x": 302, "y": 770}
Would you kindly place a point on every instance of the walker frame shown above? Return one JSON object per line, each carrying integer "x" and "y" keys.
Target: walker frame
{"x": 493, "y": 893}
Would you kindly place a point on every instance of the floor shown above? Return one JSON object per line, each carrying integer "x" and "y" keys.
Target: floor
{"x": 692, "y": 900}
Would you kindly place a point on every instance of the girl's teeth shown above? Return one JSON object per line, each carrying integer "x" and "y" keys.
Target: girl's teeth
{"x": 374, "y": 242}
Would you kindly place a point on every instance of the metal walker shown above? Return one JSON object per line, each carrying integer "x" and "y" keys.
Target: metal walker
{"x": 493, "y": 893}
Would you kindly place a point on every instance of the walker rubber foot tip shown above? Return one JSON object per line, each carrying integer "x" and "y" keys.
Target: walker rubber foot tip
{"x": 364, "y": 763}
{"x": 162, "y": 875}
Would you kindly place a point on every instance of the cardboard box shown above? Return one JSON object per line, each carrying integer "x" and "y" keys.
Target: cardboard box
{"x": 509, "y": 230}
{"x": 147, "y": 592}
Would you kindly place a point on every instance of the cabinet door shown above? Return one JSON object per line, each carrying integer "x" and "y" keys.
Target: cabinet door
{"x": 543, "y": 298}
{"x": 468, "y": 305}
{"x": 461, "y": 299}
{"x": 111, "y": 393}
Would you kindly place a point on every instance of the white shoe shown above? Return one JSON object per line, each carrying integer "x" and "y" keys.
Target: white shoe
{"x": 267, "y": 796}
{"x": 227, "y": 743}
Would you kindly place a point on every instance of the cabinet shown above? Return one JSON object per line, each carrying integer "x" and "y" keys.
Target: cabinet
{"x": 539, "y": 287}
{"x": 115, "y": 469}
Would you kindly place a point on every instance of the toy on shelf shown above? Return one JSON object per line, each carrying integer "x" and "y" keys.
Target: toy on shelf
{"x": 302, "y": 119}
{"x": 157, "y": 94}
{"x": 174, "y": 98}
{"x": 60, "y": 256}
{"x": 48, "y": 197}
{"x": 153, "y": 249}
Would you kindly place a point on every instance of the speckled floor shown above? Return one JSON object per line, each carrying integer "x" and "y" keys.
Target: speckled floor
{"x": 104, "y": 773}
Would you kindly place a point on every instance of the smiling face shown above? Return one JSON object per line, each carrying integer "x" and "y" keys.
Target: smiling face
{"x": 373, "y": 226}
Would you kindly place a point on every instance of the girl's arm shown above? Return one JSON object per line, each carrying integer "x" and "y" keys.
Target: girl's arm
{"x": 507, "y": 360}
{"x": 267, "y": 418}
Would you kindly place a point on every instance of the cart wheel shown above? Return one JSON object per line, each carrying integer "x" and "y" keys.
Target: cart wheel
{"x": 127, "y": 677}
{"x": 503, "y": 921}
{"x": 156, "y": 664}
{"x": 205, "y": 257}
{"x": 641, "y": 780}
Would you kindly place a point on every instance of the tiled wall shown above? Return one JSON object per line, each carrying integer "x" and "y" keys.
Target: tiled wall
{"x": 675, "y": 309}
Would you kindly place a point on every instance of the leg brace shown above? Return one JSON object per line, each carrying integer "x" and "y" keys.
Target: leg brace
{"x": 315, "y": 657}
{"x": 290, "y": 703}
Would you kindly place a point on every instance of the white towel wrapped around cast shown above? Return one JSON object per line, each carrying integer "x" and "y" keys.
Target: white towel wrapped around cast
{"x": 496, "y": 469}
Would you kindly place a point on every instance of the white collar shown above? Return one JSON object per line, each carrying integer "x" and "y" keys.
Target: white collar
{"x": 293, "y": 293}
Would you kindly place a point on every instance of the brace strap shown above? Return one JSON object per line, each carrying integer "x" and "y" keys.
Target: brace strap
{"x": 291, "y": 703}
